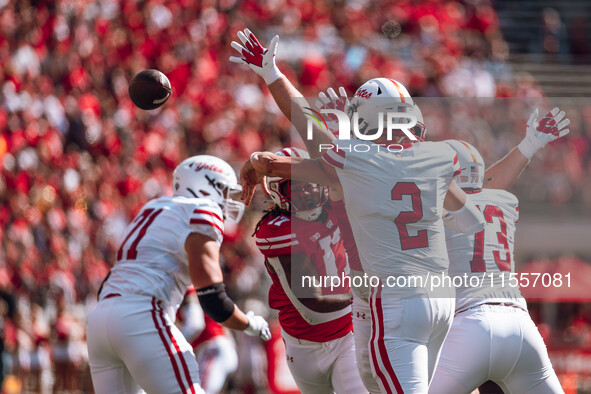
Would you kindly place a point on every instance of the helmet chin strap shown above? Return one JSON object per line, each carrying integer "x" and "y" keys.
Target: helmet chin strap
{"x": 308, "y": 215}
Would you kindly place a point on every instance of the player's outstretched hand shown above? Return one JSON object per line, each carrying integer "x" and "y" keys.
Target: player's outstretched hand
{"x": 257, "y": 326}
{"x": 249, "y": 179}
{"x": 261, "y": 60}
{"x": 540, "y": 132}
{"x": 333, "y": 101}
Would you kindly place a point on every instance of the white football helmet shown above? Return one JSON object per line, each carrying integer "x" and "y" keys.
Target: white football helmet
{"x": 303, "y": 199}
{"x": 384, "y": 95}
{"x": 471, "y": 163}
{"x": 209, "y": 177}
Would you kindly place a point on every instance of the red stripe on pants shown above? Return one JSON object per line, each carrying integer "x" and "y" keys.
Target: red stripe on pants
{"x": 382, "y": 345}
{"x": 372, "y": 350}
{"x": 167, "y": 347}
{"x": 178, "y": 350}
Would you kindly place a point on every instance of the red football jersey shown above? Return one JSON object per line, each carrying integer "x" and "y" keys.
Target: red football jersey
{"x": 340, "y": 215}
{"x": 323, "y": 243}
{"x": 211, "y": 330}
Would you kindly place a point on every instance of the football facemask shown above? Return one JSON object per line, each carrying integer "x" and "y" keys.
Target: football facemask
{"x": 304, "y": 200}
{"x": 233, "y": 209}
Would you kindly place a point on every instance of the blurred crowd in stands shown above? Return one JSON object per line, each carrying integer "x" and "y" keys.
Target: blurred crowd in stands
{"x": 77, "y": 159}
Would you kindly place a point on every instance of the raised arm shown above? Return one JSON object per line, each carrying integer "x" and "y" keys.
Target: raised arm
{"x": 263, "y": 164}
{"x": 285, "y": 94}
{"x": 462, "y": 215}
{"x": 262, "y": 61}
{"x": 505, "y": 172}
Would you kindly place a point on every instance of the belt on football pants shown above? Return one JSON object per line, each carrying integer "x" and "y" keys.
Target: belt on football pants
{"x": 112, "y": 295}
{"x": 509, "y": 304}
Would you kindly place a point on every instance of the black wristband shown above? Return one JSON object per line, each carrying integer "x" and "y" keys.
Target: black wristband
{"x": 215, "y": 302}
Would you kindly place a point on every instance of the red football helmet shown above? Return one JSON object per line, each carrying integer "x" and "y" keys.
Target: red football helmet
{"x": 303, "y": 199}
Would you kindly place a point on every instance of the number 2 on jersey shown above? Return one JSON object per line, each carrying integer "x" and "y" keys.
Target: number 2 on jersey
{"x": 145, "y": 218}
{"x": 477, "y": 264}
{"x": 406, "y": 217}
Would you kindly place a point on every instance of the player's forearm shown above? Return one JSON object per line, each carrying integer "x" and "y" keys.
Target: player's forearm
{"x": 468, "y": 219}
{"x": 270, "y": 164}
{"x": 248, "y": 323}
{"x": 308, "y": 170}
{"x": 237, "y": 321}
{"x": 311, "y": 297}
{"x": 505, "y": 172}
{"x": 217, "y": 305}
{"x": 291, "y": 102}
{"x": 455, "y": 198}
{"x": 283, "y": 92}
{"x": 327, "y": 304}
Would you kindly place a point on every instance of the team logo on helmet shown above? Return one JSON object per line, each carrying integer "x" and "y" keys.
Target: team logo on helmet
{"x": 380, "y": 107}
{"x": 209, "y": 177}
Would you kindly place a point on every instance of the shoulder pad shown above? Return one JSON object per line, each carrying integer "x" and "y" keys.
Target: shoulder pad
{"x": 204, "y": 212}
{"x": 275, "y": 232}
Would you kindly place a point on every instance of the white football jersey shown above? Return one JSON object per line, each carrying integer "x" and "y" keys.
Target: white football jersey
{"x": 394, "y": 201}
{"x": 152, "y": 259}
{"x": 487, "y": 256}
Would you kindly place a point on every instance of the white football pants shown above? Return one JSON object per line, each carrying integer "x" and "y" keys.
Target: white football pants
{"x": 133, "y": 345}
{"x": 407, "y": 335}
{"x": 498, "y": 343}
{"x": 217, "y": 359}
{"x": 362, "y": 334}
{"x": 323, "y": 367}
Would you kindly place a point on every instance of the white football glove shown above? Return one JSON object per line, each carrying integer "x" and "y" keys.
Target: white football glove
{"x": 257, "y": 326}
{"x": 539, "y": 133}
{"x": 333, "y": 101}
{"x": 260, "y": 60}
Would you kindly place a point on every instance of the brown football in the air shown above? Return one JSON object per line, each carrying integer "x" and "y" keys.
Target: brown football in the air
{"x": 149, "y": 89}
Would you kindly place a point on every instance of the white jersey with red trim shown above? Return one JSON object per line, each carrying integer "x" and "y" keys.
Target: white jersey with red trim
{"x": 152, "y": 259}
{"x": 486, "y": 255}
{"x": 394, "y": 201}
{"x": 320, "y": 241}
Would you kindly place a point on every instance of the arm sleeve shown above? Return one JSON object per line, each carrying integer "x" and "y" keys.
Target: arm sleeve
{"x": 338, "y": 208}
{"x": 335, "y": 157}
{"x": 467, "y": 220}
{"x": 215, "y": 302}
